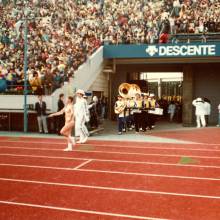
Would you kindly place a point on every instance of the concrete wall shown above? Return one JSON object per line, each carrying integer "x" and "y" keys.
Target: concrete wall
{"x": 16, "y": 102}
{"x": 188, "y": 92}
{"x": 101, "y": 84}
{"x": 87, "y": 73}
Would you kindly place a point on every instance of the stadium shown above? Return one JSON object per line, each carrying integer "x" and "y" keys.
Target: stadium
{"x": 109, "y": 109}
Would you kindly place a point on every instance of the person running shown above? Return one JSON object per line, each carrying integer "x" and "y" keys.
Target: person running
{"x": 69, "y": 122}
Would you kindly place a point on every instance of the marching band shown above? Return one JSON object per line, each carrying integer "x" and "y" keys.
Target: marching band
{"x": 135, "y": 109}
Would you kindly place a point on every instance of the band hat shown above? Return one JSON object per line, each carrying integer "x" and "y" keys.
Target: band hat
{"x": 151, "y": 95}
{"x": 199, "y": 99}
{"x": 80, "y": 91}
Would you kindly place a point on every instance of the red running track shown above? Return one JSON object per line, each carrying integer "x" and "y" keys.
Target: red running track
{"x": 201, "y": 135}
{"x": 115, "y": 155}
{"x": 98, "y": 182}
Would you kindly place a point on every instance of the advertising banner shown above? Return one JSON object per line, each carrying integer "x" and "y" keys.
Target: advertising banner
{"x": 162, "y": 50}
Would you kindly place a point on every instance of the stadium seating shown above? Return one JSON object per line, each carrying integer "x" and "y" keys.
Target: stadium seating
{"x": 62, "y": 34}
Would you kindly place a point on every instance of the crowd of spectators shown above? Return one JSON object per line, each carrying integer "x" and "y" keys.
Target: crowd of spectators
{"x": 151, "y": 21}
{"x": 63, "y": 33}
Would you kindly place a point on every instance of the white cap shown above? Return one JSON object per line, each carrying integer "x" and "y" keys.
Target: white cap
{"x": 199, "y": 99}
{"x": 80, "y": 91}
{"x": 151, "y": 95}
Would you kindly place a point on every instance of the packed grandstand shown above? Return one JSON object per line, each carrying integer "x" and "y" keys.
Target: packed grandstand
{"x": 62, "y": 34}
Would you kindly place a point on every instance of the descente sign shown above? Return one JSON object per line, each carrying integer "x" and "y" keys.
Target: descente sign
{"x": 162, "y": 50}
{"x": 183, "y": 50}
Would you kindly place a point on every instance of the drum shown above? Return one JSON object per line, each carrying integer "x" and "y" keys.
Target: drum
{"x": 156, "y": 111}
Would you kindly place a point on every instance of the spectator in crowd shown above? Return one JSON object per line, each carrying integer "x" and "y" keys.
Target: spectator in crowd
{"x": 36, "y": 84}
{"x": 48, "y": 79}
{"x": 40, "y": 108}
{"x": 200, "y": 112}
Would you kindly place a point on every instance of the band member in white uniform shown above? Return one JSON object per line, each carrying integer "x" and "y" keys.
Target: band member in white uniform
{"x": 69, "y": 122}
{"x": 200, "y": 112}
{"x": 81, "y": 115}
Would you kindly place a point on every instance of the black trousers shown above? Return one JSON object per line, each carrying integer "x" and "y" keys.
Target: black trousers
{"x": 152, "y": 120}
{"x": 145, "y": 120}
{"x": 137, "y": 121}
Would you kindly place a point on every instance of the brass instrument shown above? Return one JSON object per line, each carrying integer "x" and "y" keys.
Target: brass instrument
{"x": 120, "y": 109}
{"x": 123, "y": 90}
{"x": 126, "y": 91}
{"x": 134, "y": 90}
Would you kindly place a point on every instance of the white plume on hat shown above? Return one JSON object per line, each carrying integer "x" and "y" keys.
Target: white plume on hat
{"x": 80, "y": 91}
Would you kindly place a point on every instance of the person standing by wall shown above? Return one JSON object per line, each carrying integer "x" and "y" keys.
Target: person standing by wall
{"x": 218, "y": 125}
{"x": 171, "y": 110}
{"x": 200, "y": 112}
{"x": 93, "y": 113}
{"x": 60, "y": 119}
{"x": 40, "y": 108}
{"x": 208, "y": 110}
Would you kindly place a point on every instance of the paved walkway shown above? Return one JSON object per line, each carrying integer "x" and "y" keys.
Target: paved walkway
{"x": 110, "y": 133}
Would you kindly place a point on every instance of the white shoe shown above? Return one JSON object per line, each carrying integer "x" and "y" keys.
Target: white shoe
{"x": 73, "y": 140}
{"x": 79, "y": 142}
{"x": 84, "y": 140}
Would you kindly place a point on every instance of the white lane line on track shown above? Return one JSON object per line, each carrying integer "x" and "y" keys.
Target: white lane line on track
{"x": 110, "y": 188}
{"x": 134, "y": 147}
{"x": 110, "y": 172}
{"x": 110, "y": 152}
{"x": 79, "y": 210}
{"x": 109, "y": 160}
{"x": 82, "y": 164}
{"x": 147, "y": 174}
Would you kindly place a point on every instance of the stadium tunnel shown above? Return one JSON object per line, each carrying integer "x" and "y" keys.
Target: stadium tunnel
{"x": 201, "y": 78}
